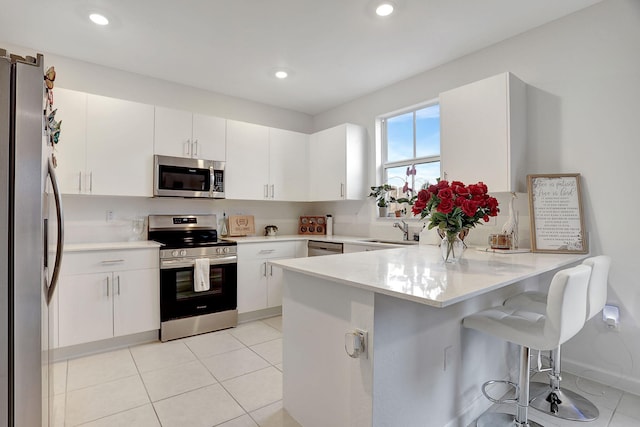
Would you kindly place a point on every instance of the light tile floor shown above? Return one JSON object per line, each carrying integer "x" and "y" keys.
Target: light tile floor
{"x": 617, "y": 408}
{"x": 231, "y": 378}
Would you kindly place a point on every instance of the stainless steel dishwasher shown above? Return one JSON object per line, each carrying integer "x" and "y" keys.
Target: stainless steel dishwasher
{"x": 318, "y": 248}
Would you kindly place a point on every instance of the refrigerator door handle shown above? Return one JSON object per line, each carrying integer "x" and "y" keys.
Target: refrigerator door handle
{"x": 60, "y": 243}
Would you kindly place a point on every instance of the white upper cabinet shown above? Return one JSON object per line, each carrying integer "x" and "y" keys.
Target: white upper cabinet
{"x": 483, "y": 133}
{"x": 119, "y": 147}
{"x": 247, "y": 168}
{"x": 106, "y": 145}
{"x": 71, "y": 150}
{"x": 288, "y": 165}
{"x": 265, "y": 163}
{"x": 338, "y": 163}
{"x": 181, "y": 133}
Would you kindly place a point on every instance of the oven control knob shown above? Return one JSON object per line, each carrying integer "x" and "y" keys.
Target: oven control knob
{"x": 174, "y": 253}
{"x": 183, "y": 253}
{"x": 218, "y": 250}
{"x": 226, "y": 250}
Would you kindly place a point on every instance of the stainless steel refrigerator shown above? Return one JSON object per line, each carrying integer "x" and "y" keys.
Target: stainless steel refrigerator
{"x": 27, "y": 283}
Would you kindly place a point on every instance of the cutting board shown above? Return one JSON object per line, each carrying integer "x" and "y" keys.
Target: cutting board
{"x": 241, "y": 225}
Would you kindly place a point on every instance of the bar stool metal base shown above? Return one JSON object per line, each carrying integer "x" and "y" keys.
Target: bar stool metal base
{"x": 573, "y": 407}
{"x": 499, "y": 419}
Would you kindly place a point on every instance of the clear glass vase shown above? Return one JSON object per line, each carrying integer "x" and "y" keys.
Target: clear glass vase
{"x": 452, "y": 247}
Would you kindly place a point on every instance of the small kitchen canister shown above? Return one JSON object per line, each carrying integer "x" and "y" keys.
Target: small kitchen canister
{"x": 329, "y": 225}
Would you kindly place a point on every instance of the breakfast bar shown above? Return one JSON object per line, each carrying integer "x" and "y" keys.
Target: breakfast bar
{"x": 418, "y": 366}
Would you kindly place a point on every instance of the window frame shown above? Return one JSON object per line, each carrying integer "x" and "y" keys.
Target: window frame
{"x": 385, "y": 164}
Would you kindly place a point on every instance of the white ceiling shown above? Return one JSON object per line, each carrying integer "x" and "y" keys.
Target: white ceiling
{"x": 337, "y": 50}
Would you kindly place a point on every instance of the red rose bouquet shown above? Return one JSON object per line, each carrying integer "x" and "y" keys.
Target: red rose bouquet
{"x": 453, "y": 207}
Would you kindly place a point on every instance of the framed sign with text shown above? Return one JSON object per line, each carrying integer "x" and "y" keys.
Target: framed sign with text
{"x": 555, "y": 204}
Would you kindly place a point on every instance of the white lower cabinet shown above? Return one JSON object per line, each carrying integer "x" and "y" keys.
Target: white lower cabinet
{"x": 260, "y": 284}
{"x": 106, "y": 294}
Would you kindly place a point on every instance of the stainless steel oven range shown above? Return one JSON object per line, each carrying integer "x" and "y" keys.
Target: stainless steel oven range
{"x": 198, "y": 275}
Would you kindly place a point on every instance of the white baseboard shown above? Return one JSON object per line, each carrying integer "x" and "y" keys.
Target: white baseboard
{"x": 250, "y": 316}
{"x": 478, "y": 406}
{"x": 86, "y": 349}
{"x": 612, "y": 379}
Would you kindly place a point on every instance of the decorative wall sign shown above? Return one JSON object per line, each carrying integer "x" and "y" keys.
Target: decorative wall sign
{"x": 557, "y": 223}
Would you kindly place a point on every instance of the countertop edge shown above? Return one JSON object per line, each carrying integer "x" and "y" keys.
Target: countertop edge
{"x": 105, "y": 246}
{"x": 325, "y": 274}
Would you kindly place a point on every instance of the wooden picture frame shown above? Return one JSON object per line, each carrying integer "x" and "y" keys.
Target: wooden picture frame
{"x": 555, "y": 208}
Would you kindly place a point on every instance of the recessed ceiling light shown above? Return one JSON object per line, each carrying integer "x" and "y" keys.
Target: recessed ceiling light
{"x": 384, "y": 9}
{"x": 281, "y": 74}
{"x": 99, "y": 19}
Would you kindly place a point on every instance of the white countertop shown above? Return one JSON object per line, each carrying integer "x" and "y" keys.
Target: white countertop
{"x": 322, "y": 238}
{"x": 106, "y": 246}
{"x": 417, "y": 273}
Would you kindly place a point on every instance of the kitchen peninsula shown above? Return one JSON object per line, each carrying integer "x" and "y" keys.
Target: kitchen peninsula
{"x": 419, "y": 366}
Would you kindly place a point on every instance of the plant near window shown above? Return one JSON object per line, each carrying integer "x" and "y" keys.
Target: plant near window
{"x": 453, "y": 207}
{"x": 410, "y": 195}
{"x": 380, "y": 193}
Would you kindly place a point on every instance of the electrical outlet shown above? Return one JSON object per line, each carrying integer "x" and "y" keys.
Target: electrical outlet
{"x": 109, "y": 216}
{"x": 448, "y": 357}
{"x": 611, "y": 317}
{"x": 364, "y": 339}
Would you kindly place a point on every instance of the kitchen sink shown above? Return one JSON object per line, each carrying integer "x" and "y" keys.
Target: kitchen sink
{"x": 391, "y": 242}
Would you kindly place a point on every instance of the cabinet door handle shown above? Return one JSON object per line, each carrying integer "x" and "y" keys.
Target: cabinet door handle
{"x": 80, "y": 181}
{"x": 195, "y": 148}
{"x": 108, "y": 286}
{"x": 186, "y": 148}
{"x": 266, "y": 191}
{"x": 90, "y": 181}
{"x": 273, "y": 191}
{"x": 271, "y": 270}
{"x": 341, "y": 189}
{"x": 264, "y": 265}
{"x": 112, "y": 261}
{"x": 267, "y": 251}
{"x": 118, "y": 280}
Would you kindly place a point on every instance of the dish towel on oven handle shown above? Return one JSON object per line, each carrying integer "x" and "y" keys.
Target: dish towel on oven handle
{"x": 201, "y": 275}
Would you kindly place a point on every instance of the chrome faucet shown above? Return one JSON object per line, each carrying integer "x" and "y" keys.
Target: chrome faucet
{"x": 404, "y": 227}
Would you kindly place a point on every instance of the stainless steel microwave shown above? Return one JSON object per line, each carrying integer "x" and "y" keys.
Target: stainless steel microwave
{"x": 182, "y": 177}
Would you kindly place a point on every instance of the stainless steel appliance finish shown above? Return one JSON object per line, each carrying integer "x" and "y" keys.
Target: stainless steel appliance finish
{"x": 318, "y": 248}
{"x": 183, "y": 177}
{"x": 183, "y": 311}
{"x": 24, "y": 315}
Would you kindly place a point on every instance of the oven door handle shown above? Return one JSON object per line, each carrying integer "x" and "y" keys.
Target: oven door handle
{"x": 190, "y": 262}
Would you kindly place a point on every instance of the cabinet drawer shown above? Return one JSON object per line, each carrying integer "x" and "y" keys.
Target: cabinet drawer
{"x": 267, "y": 250}
{"x": 106, "y": 261}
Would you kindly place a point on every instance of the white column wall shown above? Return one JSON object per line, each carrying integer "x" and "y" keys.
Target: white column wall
{"x": 583, "y": 116}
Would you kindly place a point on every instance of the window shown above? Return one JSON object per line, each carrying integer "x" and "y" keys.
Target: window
{"x": 411, "y": 139}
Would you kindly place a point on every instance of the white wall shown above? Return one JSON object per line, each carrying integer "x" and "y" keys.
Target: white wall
{"x": 583, "y": 116}
{"x": 86, "y": 216}
{"x": 96, "y": 79}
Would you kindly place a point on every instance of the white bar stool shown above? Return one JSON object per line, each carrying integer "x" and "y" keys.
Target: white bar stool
{"x": 550, "y": 398}
{"x": 563, "y": 318}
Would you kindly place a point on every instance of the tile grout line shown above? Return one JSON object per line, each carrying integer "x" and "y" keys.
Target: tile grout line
{"x": 144, "y": 385}
{"x": 197, "y": 358}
